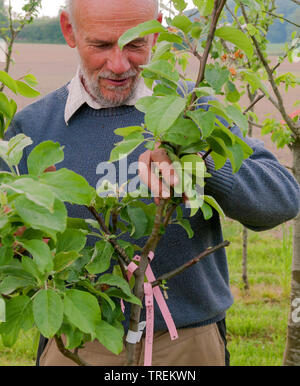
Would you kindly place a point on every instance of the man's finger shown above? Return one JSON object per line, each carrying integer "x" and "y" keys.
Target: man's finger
{"x": 149, "y": 178}
{"x": 161, "y": 160}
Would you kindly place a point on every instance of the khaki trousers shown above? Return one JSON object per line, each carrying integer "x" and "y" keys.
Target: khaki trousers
{"x": 200, "y": 346}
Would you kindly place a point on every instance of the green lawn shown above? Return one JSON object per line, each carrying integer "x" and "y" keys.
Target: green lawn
{"x": 256, "y": 322}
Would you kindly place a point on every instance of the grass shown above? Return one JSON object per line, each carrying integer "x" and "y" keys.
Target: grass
{"x": 257, "y": 320}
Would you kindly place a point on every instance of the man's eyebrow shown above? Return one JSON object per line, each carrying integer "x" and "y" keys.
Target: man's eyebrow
{"x": 100, "y": 42}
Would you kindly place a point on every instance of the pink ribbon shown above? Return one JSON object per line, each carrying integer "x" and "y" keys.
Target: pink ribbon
{"x": 149, "y": 294}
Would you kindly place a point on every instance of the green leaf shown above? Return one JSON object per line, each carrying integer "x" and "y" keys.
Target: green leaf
{"x": 115, "y": 281}
{"x": 38, "y": 217}
{"x": 127, "y": 146}
{"x": 31, "y": 267}
{"x": 125, "y": 131}
{"x": 218, "y": 159}
{"x": 64, "y": 259}
{"x": 141, "y": 30}
{"x": 115, "y": 292}
{"x": 8, "y": 81}
{"x": 43, "y": 156}
{"x": 183, "y": 132}
{"x": 232, "y": 94}
{"x": 5, "y": 106}
{"x": 26, "y": 90}
{"x": 70, "y": 240}
{"x": 236, "y": 37}
{"x": 205, "y": 6}
{"x": 194, "y": 164}
{"x": 236, "y": 156}
{"x": 82, "y": 309}
{"x": 187, "y": 227}
{"x": 2, "y": 310}
{"x": 110, "y": 336}
{"x": 138, "y": 220}
{"x": 204, "y": 119}
{"x": 169, "y": 37}
{"x": 180, "y": 5}
{"x": 182, "y": 22}
{"x": 238, "y": 117}
{"x": 73, "y": 336}
{"x": 17, "y": 272}
{"x": 40, "y": 252}
{"x": 212, "y": 202}
{"x": 143, "y": 104}
{"x": 18, "y": 315}
{"x": 254, "y": 81}
{"x": 69, "y": 186}
{"x": 11, "y": 283}
{"x": 163, "y": 113}
{"x": 207, "y": 211}
{"x": 101, "y": 258}
{"x": 34, "y": 191}
{"x": 48, "y": 312}
{"x": 16, "y": 145}
{"x": 216, "y": 77}
{"x": 6, "y": 255}
{"x": 163, "y": 69}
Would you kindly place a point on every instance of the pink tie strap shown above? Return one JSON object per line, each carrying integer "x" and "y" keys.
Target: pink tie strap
{"x": 149, "y": 323}
{"x": 149, "y": 293}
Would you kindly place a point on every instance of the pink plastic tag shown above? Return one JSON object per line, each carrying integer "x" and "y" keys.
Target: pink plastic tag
{"x": 149, "y": 323}
{"x": 149, "y": 293}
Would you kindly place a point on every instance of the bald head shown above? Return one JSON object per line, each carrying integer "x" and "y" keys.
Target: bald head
{"x": 72, "y": 4}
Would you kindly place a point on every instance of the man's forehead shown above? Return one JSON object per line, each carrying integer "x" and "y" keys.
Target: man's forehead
{"x": 116, "y": 10}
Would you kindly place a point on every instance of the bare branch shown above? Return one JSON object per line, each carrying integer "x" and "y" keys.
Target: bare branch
{"x": 254, "y": 103}
{"x": 177, "y": 271}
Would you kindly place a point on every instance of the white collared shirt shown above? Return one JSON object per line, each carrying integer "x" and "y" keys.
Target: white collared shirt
{"x": 78, "y": 96}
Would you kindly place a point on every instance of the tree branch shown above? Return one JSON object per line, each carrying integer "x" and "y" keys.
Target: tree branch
{"x": 218, "y": 7}
{"x": 121, "y": 252}
{"x": 283, "y": 18}
{"x": 177, "y": 271}
{"x": 139, "y": 274}
{"x": 280, "y": 106}
{"x": 68, "y": 354}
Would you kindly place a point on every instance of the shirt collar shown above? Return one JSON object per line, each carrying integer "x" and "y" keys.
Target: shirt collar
{"x": 78, "y": 96}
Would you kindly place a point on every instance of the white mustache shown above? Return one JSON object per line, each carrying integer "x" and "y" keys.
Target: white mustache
{"x": 113, "y": 76}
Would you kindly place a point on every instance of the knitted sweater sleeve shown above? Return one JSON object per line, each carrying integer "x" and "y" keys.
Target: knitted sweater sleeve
{"x": 261, "y": 195}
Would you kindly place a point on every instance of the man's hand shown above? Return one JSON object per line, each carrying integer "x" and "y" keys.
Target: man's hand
{"x": 163, "y": 179}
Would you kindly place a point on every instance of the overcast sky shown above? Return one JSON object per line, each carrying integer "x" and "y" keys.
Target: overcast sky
{"x": 51, "y": 7}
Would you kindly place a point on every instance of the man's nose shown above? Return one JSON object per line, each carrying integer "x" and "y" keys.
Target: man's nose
{"x": 118, "y": 62}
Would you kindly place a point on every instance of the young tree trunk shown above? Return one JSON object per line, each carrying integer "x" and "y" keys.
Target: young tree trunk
{"x": 292, "y": 349}
{"x": 245, "y": 258}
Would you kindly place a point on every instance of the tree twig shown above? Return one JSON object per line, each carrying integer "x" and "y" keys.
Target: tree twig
{"x": 254, "y": 103}
{"x": 67, "y": 353}
{"x": 281, "y": 17}
{"x": 190, "y": 263}
{"x": 279, "y": 104}
{"x": 121, "y": 252}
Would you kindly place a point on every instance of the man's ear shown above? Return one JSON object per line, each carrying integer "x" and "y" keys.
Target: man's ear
{"x": 159, "y": 18}
{"x": 67, "y": 29}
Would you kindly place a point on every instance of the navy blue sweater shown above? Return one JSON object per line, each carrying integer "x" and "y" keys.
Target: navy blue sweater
{"x": 261, "y": 195}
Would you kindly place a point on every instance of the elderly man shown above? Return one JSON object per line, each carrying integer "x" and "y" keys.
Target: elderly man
{"x": 83, "y": 115}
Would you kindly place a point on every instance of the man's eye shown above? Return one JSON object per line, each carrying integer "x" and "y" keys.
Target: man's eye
{"x": 135, "y": 45}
